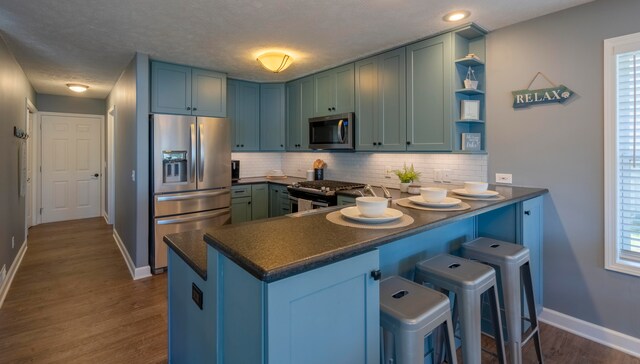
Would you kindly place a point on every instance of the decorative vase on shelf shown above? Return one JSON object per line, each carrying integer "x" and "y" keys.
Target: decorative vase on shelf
{"x": 404, "y": 186}
{"x": 471, "y": 83}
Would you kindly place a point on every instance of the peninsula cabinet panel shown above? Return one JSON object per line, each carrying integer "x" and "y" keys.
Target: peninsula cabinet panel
{"x": 381, "y": 102}
{"x": 429, "y": 94}
{"x": 298, "y": 307}
{"x": 191, "y": 329}
{"x": 272, "y": 115}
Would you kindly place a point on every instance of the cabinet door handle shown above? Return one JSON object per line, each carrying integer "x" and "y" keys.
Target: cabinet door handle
{"x": 328, "y": 109}
{"x": 527, "y": 212}
{"x": 195, "y": 108}
{"x": 333, "y": 108}
{"x": 376, "y": 275}
{"x": 408, "y": 142}
{"x": 242, "y": 145}
{"x": 237, "y": 145}
{"x": 281, "y": 145}
{"x": 188, "y": 107}
{"x": 379, "y": 143}
{"x": 249, "y": 203}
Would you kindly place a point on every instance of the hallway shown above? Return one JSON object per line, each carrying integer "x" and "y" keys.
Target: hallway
{"x": 73, "y": 301}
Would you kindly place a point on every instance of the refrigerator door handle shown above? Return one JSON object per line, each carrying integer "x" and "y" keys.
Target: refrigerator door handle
{"x": 201, "y": 216}
{"x": 192, "y": 146}
{"x": 192, "y": 197}
{"x": 201, "y": 149}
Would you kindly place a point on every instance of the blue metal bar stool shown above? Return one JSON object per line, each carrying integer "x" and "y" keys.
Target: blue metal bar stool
{"x": 469, "y": 281}
{"x": 512, "y": 261}
{"x": 411, "y": 312}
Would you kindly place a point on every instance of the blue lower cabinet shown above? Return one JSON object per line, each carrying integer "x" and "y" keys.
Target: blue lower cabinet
{"x": 328, "y": 315}
{"x": 532, "y": 228}
{"x": 192, "y": 329}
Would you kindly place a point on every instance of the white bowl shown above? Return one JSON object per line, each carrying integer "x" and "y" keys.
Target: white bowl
{"x": 433, "y": 194}
{"x": 371, "y": 206}
{"x": 476, "y": 187}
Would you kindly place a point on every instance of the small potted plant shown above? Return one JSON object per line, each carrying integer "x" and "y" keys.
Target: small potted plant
{"x": 406, "y": 176}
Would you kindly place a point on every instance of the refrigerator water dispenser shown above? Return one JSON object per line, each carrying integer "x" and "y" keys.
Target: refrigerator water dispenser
{"x": 174, "y": 166}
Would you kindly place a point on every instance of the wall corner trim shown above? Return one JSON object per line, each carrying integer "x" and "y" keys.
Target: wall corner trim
{"x": 136, "y": 273}
{"x": 4, "y": 289}
{"x": 613, "y": 339}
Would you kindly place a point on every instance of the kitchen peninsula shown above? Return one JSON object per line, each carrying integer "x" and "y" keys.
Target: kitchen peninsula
{"x": 297, "y": 289}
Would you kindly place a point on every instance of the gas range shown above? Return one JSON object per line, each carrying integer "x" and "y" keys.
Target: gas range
{"x": 323, "y": 187}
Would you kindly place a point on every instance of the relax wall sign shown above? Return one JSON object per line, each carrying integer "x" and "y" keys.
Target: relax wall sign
{"x": 525, "y": 98}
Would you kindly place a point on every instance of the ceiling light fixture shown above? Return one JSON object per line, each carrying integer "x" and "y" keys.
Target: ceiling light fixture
{"x": 456, "y": 15}
{"x": 76, "y": 87}
{"x": 275, "y": 61}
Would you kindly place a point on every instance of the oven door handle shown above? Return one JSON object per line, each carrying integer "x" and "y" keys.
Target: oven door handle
{"x": 314, "y": 203}
{"x": 340, "y": 133}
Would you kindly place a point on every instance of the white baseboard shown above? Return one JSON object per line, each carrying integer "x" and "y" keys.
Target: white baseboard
{"x": 613, "y": 339}
{"x": 4, "y": 289}
{"x": 136, "y": 273}
{"x": 105, "y": 217}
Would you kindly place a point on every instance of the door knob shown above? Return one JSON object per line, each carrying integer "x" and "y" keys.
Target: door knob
{"x": 96, "y": 175}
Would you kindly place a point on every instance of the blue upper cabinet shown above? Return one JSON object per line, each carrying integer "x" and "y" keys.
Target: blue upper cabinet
{"x": 243, "y": 105}
{"x": 170, "y": 88}
{"x": 208, "y": 93}
{"x": 184, "y": 90}
{"x": 429, "y": 94}
{"x": 300, "y": 107}
{"x": 272, "y": 117}
{"x": 381, "y": 102}
{"x": 334, "y": 91}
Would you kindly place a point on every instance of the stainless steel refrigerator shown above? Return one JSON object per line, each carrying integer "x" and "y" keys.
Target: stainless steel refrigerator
{"x": 191, "y": 178}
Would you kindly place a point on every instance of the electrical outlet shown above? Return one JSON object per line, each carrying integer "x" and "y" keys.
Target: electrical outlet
{"x": 446, "y": 176}
{"x": 437, "y": 175}
{"x": 13, "y": 242}
{"x": 505, "y": 178}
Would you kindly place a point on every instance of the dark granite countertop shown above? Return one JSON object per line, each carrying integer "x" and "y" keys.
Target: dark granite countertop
{"x": 281, "y": 181}
{"x": 278, "y": 248}
{"x": 190, "y": 246}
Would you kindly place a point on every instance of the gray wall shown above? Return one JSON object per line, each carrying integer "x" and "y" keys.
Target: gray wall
{"x": 14, "y": 89}
{"x": 561, "y": 147}
{"x": 130, "y": 95}
{"x": 69, "y": 104}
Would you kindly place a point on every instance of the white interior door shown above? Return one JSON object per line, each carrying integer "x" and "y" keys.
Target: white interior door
{"x": 70, "y": 167}
{"x": 29, "y": 197}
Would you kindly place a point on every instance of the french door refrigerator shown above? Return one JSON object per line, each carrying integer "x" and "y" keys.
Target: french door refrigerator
{"x": 191, "y": 170}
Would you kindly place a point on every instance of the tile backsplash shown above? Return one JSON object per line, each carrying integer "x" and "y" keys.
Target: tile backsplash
{"x": 367, "y": 167}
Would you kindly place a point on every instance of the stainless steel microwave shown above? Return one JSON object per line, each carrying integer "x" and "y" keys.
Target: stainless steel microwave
{"x": 333, "y": 132}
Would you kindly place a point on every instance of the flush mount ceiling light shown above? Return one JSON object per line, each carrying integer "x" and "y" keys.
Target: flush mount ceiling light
{"x": 456, "y": 15}
{"x": 76, "y": 87}
{"x": 275, "y": 61}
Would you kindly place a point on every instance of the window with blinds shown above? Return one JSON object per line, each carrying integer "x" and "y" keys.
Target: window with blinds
{"x": 622, "y": 154}
{"x": 628, "y": 173}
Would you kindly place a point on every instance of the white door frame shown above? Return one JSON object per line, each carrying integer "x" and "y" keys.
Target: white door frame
{"x": 102, "y": 166}
{"x": 32, "y": 153}
{"x": 111, "y": 183}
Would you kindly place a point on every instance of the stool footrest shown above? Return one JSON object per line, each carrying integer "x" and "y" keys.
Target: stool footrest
{"x": 531, "y": 334}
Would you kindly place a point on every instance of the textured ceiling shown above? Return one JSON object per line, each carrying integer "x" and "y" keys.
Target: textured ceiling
{"x": 91, "y": 41}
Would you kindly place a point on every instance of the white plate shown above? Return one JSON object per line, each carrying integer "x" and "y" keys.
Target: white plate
{"x": 354, "y": 214}
{"x": 485, "y": 194}
{"x": 447, "y": 202}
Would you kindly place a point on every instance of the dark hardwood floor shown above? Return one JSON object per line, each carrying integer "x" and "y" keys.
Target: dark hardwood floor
{"x": 73, "y": 301}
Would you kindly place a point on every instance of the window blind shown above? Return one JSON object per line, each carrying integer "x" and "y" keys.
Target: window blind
{"x": 628, "y": 154}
